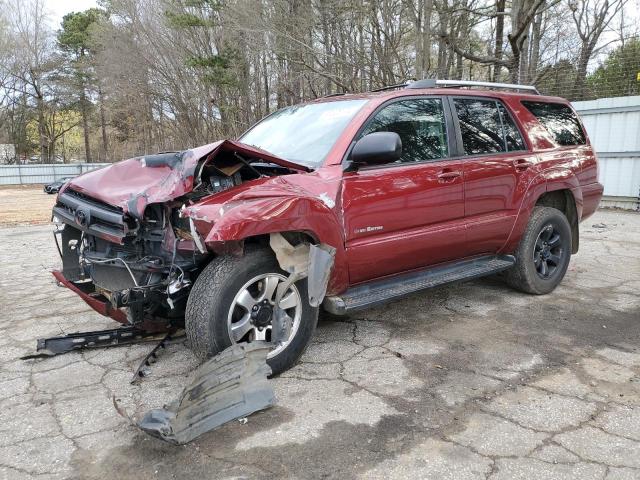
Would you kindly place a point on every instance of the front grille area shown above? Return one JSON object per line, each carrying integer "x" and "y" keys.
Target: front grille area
{"x": 93, "y": 216}
{"x": 92, "y": 201}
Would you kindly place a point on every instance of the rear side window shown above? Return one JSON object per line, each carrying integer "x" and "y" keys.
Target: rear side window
{"x": 560, "y": 122}
{"x": 420, "y": 123}
{"x": 512, "y": 136}
{"x": 486, "y": 127}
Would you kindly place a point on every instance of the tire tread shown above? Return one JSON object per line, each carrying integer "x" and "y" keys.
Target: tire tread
{"x": 520, "y": 276}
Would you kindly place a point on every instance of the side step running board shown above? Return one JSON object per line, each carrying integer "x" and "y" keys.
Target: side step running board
{"x": 381, "y": 291}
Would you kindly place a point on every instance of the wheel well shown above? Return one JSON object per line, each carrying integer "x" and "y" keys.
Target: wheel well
{"x": 563, "y": 200}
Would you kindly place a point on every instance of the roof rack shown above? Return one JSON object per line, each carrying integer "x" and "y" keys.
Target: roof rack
{"x": 392, "y": 87}
{"x": 433, "y": 83}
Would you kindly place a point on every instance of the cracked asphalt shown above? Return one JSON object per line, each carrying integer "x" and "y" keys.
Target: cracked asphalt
{"x": 470, "y": 381}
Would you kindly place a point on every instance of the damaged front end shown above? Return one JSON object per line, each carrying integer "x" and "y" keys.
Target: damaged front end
{"x": 126, "y": 248}
{"x": 135, "y": 271}
{"x": 135, "y": 236}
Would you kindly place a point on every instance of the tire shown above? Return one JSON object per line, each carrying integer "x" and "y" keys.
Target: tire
{"x": 539, "y": 246}
{"x": 207, "y": 314}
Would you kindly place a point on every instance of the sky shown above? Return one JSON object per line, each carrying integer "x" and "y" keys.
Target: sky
{"x": 59, "y": 8}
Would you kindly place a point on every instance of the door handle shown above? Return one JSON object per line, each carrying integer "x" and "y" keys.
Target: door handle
{"x": 448, "y": 176}
{"x": 521, "y": 164}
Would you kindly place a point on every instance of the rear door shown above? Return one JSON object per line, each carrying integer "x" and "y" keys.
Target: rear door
{"x": 497, "y": 166}
{"x": 407, "y": 214}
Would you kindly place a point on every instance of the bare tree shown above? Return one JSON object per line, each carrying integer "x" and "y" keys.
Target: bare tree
{"x": 31, "y": 42}
{"x": 168, "y": 74}
{"x": 591, "y": 18}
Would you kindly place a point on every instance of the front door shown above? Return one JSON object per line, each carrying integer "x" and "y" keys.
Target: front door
{"x": 408, "y": 214}
{"x": 496, "y": 169}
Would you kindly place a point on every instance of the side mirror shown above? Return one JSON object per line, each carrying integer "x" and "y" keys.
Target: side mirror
{"x": 377, "y": 148}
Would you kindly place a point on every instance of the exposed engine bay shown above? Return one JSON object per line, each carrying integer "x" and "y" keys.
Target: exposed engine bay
{"x": 146, "y": 266}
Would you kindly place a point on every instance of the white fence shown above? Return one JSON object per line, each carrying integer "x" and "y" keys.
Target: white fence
{"x": 613, "y": 125}
{"x": 44, "y": 173}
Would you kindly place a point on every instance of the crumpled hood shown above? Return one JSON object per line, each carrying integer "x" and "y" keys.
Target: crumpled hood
{"x": 137, "y": 182}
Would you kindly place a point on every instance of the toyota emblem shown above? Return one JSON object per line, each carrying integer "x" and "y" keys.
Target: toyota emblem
{"x": 82, "y": 218}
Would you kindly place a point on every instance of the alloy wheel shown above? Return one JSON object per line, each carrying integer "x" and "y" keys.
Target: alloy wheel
{"x": 252, "y": 309}
{"x": 548, "y": 252}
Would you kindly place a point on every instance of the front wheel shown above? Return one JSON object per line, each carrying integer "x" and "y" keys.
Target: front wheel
{"x": 543, "y": 253}
{"x": 232, "y": 301}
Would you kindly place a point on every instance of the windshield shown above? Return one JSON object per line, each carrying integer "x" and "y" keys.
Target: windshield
{"x": 303, "y": 134}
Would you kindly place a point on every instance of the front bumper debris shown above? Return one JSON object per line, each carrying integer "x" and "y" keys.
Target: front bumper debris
{"x": 49, "y": 347}
{"x": 97, "y": 302}
{"x": 230, "y": 385}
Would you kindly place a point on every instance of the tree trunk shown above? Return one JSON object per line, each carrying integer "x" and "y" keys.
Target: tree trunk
{"x": 534, "y": 56}
{"x": 103, "y": 126}
{"x": 44, "y": 144}
{"x": 85, "y": 124}
{"x": 581, "y": 73}
{"x": 265, "y": 73}
{"x": 499, "y": 39}
{"x": 426, "y": 36}
{"x": 417, "y": 31}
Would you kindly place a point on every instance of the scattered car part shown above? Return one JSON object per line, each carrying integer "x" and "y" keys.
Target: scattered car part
{"x": 151, "y": 357}
{"x": 231, "y": 385}
{"x": 48, "y": 347}
{"x": 126, "y": 335}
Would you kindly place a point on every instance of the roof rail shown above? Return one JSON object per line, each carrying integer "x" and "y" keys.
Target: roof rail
{"x": 393, "y": 87}
{"x": 433, "y": 83}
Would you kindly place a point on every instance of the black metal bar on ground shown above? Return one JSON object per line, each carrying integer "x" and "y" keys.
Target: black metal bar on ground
{"x": 48, "y": 347}
{"x": 152, "y": 356}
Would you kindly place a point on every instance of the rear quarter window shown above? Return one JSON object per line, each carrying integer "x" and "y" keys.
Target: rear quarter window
{"x": 559, "y": 120}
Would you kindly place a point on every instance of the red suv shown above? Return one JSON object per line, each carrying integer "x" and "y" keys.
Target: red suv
{"x": 347, "y": 201}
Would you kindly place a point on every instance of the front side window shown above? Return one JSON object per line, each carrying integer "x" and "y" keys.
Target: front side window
{"x": 559, "y": 120}
{"x": 303, "y": 134}
{"x": 420, "y": 123}
{"x": 480, "y": 126}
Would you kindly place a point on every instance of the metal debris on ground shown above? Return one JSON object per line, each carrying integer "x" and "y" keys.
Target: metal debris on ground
{"x": 48, "y": 347}
{"x": 229, "y": 386}
{"x": 151, "y": 358}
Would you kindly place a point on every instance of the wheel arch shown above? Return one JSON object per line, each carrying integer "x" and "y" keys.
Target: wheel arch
{"x": 564, "y": 201}
{"x": 558, "y": 188}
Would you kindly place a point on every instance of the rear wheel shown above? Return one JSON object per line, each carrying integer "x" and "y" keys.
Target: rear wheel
{"x": 543, "y": 253}
{"x": 233, "y": 301}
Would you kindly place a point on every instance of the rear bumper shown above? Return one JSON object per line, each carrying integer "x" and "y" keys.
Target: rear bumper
{"x": 97, "y": 302}
{"x": 591, "y": 196}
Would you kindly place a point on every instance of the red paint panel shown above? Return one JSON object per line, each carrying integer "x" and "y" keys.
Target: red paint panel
{"x": 591, "y": 195}
{"x": 402, "y": 217}
{"x": 494, "y": 190}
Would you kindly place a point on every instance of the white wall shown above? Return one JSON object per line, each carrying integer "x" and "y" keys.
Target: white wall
{"x": 613, "y": 126}
{"x": 43, "y": 173}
